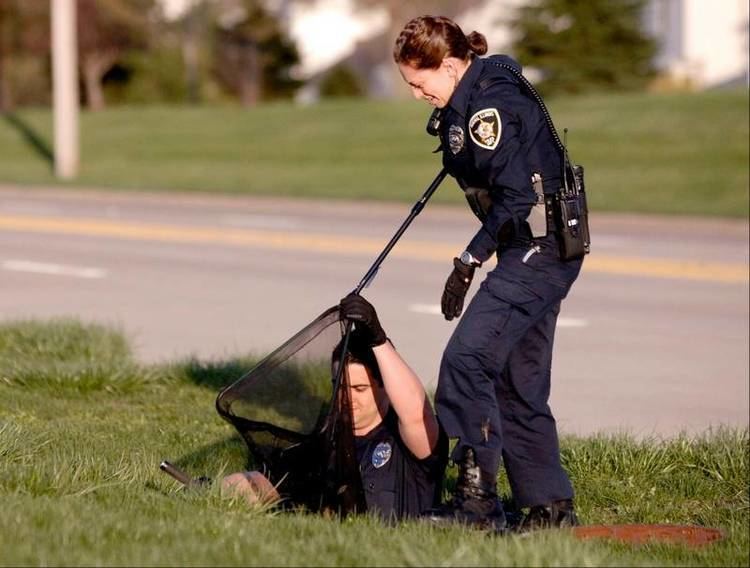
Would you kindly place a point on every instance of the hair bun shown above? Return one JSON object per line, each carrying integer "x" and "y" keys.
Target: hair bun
{"x": 477, "y": 43}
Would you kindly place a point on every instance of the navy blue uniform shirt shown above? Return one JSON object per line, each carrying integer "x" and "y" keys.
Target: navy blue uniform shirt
{"x": 397, "y": 484}
{"x": 494, "y": 136}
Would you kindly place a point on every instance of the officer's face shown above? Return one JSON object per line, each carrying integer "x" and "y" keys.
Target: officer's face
{"x": 369, "y": 401}
{"x": 433, "y": 85}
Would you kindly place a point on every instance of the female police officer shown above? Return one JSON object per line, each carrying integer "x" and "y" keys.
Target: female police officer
{"x": 494, "y": 379}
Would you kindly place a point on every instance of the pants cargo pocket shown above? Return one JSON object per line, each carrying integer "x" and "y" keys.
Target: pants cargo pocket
{"x": 517, "y": 294}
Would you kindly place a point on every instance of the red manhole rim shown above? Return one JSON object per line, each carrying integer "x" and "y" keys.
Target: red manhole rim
{"x": 692, "y": 535}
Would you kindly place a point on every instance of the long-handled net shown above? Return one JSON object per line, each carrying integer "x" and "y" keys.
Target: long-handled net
{"x": 293, "y": 408}
{"x": 285, "y": 411}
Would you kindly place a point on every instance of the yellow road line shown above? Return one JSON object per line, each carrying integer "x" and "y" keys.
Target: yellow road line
{"x": 335, "y": 244}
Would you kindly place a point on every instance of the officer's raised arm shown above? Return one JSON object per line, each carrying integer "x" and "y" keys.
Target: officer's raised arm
{"x": 416, "y": 420}
{"x": 417, "y": 423}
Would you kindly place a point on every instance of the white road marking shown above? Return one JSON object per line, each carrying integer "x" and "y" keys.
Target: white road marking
{"x": 434, "y": 310}
{"x": 53, "y": 269}
{"x": 572, "y": 322}
{"x": 431, "y": 309}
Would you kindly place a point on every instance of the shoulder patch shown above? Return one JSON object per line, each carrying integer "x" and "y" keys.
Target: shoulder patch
{"x": 485, "y": 128}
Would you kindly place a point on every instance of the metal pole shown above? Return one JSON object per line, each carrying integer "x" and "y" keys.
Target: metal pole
{"x": 65, "y": 87}
{"x": 418, "y": 206}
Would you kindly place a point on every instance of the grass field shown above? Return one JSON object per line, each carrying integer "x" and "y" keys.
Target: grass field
{"x": 83, "y": 429}
{"x": 667, "y": 153}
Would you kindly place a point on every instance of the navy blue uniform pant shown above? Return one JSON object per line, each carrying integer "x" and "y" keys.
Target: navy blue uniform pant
{"x": 494, "y": 382}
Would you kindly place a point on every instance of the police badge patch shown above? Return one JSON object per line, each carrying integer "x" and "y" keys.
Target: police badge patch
{"x": 455, "y": 138}
{"x": 485, "y": 128}
{"x": 381, "y": 455}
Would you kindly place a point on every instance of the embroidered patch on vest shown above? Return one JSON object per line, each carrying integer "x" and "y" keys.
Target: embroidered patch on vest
{"x": 381, "y": 454}
{"x": 455, "y": 138}
{"x": 485, "y": 128}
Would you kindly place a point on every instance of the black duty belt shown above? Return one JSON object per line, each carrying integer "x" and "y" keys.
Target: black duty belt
{"x": 480, "y": 203}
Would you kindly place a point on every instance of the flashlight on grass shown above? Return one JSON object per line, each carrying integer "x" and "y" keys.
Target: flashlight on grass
{"x": 181, "y": 476}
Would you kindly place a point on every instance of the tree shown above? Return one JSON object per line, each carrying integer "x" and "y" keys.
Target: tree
{"x": 341, "y": 82}
{"x": 253, "y": 56}
{"x": 192, "y": 39}
{"x": 580, "y": 45}
{"x": 8, "y": 27}
{"x": 24, "y": 39}
{"x": 106, "y": 29}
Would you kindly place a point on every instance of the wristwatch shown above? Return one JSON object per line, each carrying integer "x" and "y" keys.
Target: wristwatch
{"x": 468, "y": 259}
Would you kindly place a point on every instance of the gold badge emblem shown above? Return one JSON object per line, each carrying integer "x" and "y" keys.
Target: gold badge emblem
{"x": 485, "y": 128}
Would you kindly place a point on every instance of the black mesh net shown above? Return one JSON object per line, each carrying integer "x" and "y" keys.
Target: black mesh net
{"x": 284, "y": 409}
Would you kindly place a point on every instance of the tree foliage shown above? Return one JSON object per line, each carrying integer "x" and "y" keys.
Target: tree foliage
{"x": 253, "y": 56}
{"x": 581, "y": 45}
{"x": 341, "y": 81}
{"x": 129, "y": 52}
{"x": 24, "y": 43}
{"x": 106, "y": 30}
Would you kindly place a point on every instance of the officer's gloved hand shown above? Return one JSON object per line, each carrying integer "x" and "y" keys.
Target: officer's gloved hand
{"x": 456, "y": 287}
{"x": 354, "y": 307}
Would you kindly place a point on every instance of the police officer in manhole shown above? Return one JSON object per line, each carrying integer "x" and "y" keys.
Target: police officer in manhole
{"x": 499, "y": 143}
{"x": 400, "y": 450}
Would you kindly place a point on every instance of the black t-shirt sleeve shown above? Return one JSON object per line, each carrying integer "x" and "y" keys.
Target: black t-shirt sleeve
{"x": 433, "y": 465}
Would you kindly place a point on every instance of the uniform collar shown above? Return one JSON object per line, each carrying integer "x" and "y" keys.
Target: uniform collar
{"x": 459, "y": 101}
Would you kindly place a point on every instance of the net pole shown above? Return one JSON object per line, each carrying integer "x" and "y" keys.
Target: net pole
{"x": 415, "y": 210}
{"x": 340, "y": 370}
{"x": 333, "y": 423}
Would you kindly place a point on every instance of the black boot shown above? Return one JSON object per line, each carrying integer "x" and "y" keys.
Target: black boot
{"x": 558, "y": 514}
{"x": 474, "y": 502}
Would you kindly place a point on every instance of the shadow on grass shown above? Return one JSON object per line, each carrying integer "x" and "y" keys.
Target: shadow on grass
{"x": 217, "y": 375}
{"x": 33, "y": 139}
{"x": 230, "y": 452}
{"x": 289, "y": 396}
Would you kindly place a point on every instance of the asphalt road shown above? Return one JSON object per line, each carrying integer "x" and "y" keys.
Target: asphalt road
{"x": 653, "y": 338}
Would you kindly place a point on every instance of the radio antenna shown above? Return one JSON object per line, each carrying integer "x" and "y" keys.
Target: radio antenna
{"x": 566, "y": 161}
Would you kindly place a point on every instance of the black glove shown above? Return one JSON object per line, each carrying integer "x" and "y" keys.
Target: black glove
{"x": 456, "y": 287}
{"x": 354, "y": 307}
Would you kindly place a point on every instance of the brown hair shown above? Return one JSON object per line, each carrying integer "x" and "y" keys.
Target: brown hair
{"x": 426, "y": 40}
{"x": 358, "y": 351}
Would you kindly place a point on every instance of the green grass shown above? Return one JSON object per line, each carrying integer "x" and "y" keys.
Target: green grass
{"x": 80, "y": 484}
{"x": 665, "y": 153}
